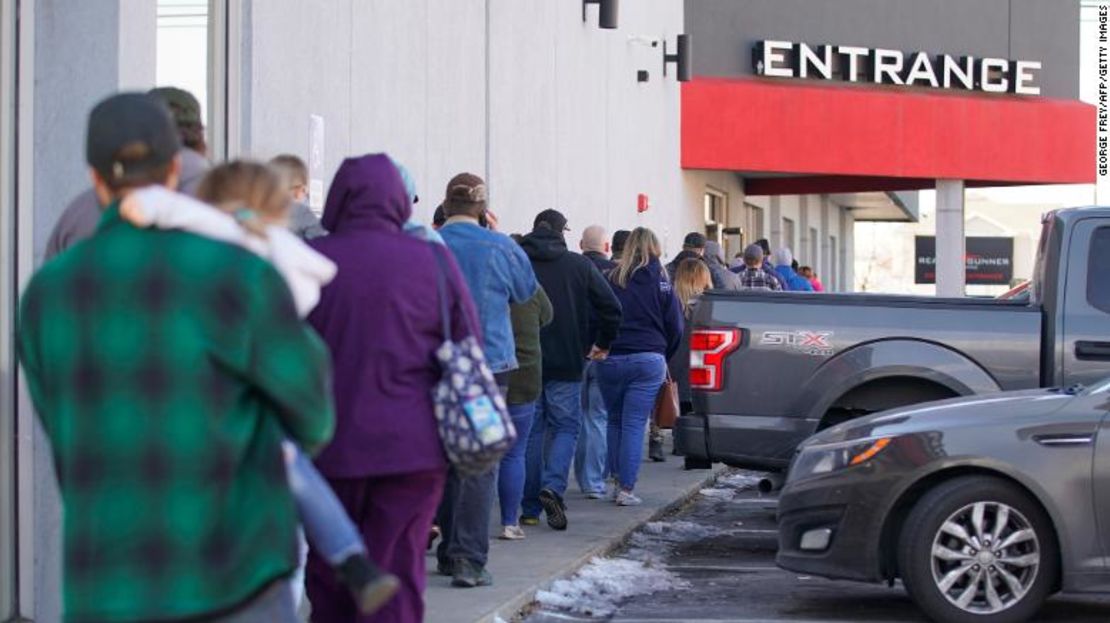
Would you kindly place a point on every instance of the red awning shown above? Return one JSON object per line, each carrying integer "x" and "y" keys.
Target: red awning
{"x": 797, "y": 138}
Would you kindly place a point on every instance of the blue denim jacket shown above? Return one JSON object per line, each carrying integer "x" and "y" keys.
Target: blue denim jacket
{"x": 498, "y": 273}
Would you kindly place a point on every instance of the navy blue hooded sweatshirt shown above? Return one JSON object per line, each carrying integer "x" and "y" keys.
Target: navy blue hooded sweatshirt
{"x": 652, "y": 321}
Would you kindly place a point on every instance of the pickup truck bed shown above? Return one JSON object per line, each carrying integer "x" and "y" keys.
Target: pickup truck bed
{"x": 797, "y": 371}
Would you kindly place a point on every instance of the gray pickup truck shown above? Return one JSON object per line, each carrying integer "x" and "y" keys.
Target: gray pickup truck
{"x": 768, "y": 369}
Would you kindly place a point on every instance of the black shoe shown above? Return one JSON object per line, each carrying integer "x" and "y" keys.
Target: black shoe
{"x": 470, "y": 575}
{"x": 655, "y": 451}
{"x": 370, "y": 586}
{"x": 445, "y": 568}
{"x": 554, "y": 509}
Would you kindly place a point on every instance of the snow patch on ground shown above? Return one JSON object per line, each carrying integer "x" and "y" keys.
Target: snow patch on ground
{"x": 740, "y": 480}
{"x": 654, "y": 541}
{"x": 718, "y": 494}
{"x": 599, "y": 587}
{"x": 681, "y": 531}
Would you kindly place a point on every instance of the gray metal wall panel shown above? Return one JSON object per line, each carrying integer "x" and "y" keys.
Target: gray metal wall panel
{"x": 723, "y": 31}
{"x": 1048, "y": 32}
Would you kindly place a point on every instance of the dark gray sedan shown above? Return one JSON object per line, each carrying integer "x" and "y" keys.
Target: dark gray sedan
{"x": 982, "y": 506}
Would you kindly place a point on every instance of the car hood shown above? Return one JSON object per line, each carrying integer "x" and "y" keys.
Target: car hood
{"x": 947, "y": 414}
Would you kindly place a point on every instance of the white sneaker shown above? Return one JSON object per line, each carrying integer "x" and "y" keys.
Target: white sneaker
{"x": 627, "y": 498}
{"x": 511, "y": 533}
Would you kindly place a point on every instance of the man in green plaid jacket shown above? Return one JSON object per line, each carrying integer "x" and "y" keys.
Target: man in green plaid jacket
{"x": 166, "y": 369}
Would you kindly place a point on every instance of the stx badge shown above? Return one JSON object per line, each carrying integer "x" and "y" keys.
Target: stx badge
{"x": 814, "y": 343}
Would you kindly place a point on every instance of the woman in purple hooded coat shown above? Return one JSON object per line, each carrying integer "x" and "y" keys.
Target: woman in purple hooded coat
{"x": 381, "y": 320}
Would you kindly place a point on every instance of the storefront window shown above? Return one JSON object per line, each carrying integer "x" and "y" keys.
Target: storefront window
{"x": 788, "y": 239}
{"x": 755, "y": 222}
{"x": 182, "y": 57}
{"x": 716, "y": 214}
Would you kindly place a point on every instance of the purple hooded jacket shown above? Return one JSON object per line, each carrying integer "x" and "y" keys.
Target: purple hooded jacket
{"x": 380, "y": 318}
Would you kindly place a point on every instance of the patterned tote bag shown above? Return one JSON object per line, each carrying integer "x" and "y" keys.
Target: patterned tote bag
{"x": 473, "y": 419}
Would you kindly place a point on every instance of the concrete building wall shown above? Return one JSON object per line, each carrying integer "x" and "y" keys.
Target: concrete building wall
{"x": 570, "y": 126}
{"x": 83, "y": 52}
{"x": 551, "y": 114}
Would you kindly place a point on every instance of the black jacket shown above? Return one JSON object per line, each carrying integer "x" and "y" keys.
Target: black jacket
{"x": 577, "y": 290}
{"x": 603, "y": 263}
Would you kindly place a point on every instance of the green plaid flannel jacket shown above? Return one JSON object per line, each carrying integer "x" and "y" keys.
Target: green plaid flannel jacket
{"x": 166, "y": 369}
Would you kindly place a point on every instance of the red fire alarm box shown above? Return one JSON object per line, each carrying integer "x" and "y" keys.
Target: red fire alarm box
{"x": 642, "y": 203}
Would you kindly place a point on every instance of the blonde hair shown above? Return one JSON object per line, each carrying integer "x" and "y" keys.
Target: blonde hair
{"x": 641, "y": 247}
{"x": 690, "y": 280}
{"x": 241, "y": 184}
{"x": 292, "y": 169}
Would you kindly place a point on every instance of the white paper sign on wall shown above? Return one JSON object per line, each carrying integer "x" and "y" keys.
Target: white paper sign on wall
{"x": 316, "y": 163}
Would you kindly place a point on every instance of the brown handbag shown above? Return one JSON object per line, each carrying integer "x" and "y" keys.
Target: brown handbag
{"x": 666, "y": 409}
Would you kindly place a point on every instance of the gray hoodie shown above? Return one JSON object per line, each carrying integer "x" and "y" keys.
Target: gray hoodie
{"x": 82, "y": 215}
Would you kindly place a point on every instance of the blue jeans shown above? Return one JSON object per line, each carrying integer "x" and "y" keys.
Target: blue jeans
{"x": 551, "y": 443}
{"x": 590, "y": 458}
{"x": 325, "y": 522}
{"x": 510, "y": 478}
{"x": 630, "y": 384}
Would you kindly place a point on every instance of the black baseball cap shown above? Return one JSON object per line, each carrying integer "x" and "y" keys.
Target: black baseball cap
{"x": 694, "y": 240}
{"x": 129, "y": 135}
{"x": 553, "y": 219}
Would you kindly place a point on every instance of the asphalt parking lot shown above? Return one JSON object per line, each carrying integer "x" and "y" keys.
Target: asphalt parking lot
{"x": 713, "y": 562}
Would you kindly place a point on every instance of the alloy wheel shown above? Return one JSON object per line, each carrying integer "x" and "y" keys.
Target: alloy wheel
{"x": 985, "y": 557}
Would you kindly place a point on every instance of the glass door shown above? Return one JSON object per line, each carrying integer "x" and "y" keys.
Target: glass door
{"x": 716, "y": 214}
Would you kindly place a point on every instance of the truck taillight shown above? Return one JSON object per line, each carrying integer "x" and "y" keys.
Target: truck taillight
{"x": 708, "y": 349}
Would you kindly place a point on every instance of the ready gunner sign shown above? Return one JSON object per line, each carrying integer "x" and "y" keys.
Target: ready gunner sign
{"x": 787, "y": 59}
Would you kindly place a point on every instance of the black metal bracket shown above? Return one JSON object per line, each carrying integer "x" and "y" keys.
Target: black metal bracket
{"x": 681, "y": 57}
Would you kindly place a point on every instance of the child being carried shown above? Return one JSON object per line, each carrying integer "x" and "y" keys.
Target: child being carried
{"x": 251, "y": 209}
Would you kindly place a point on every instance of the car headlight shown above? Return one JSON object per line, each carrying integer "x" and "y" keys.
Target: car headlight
{"x": 827, "y": 458}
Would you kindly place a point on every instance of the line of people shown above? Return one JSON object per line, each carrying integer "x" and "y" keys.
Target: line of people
{"x": 185, "y": 351}
{"x": 753, "y": 268}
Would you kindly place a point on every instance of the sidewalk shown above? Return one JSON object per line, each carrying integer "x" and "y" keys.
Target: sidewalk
{"x": 520, "y": 568}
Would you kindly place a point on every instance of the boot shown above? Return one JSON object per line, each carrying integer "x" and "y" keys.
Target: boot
{"x": 369, "y": 585}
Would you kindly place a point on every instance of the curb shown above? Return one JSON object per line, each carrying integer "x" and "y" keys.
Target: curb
{"x": 517, "y": 604}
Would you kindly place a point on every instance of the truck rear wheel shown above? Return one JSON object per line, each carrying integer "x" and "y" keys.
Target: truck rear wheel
{"x": 882, "y": 394}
